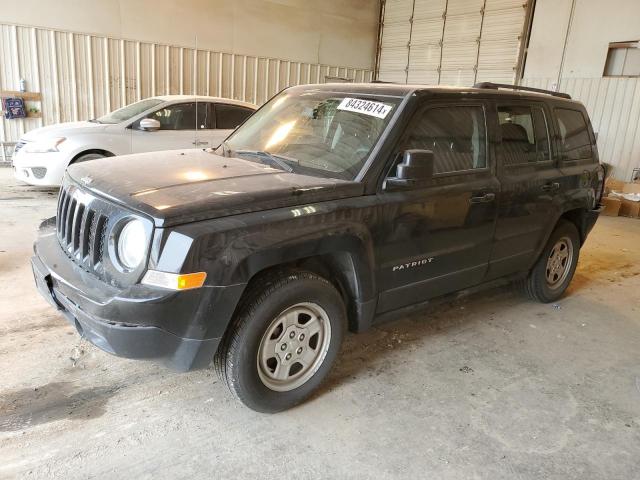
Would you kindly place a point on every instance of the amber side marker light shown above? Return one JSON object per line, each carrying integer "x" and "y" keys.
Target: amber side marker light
{"x": 174, "y": 281}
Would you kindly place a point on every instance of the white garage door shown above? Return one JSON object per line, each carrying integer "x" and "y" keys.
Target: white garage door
{"x": 453, "y": 42}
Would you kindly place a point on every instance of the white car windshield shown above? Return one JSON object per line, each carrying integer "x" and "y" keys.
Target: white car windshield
{"x": 126, "y": 113}
{"x": 314, "y": 132}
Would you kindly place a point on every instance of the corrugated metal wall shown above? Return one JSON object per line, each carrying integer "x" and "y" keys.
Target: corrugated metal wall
{"x": 83, "y": 76}
{"x": 614, "y": 107}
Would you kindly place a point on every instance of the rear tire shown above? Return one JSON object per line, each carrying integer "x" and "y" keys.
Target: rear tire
{"x": 554, "y": 269}
{"x": 283, "y": 341}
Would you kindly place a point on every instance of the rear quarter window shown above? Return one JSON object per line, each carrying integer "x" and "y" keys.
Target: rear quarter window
{"x": 573, "y": 135}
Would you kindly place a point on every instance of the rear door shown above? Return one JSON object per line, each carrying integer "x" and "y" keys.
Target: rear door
{"x": 227, "y": 118}
{"x": 530, "y": 184}
{"x": 436, "y": 238}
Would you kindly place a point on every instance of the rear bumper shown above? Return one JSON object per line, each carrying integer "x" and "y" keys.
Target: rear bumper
{"x": 590, "y": 220}
{"x": 176, "y": 328}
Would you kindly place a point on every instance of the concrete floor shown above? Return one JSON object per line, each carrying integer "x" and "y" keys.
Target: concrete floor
{"x": 494, "y": 387}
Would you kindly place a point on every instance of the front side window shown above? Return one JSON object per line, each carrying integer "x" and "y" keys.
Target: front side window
{"x": 229, "y": 117}
{"x": 575, "y": 142}
{"x": 126, "y": 113}
{"x": 525, "y": 135}
{"x": 455, "y": 134}
{"x": 315, "y": 132}
{"x": 182, "y": 116}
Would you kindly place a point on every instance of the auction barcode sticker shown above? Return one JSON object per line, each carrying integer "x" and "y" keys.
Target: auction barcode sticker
{"x": 367, "y": 107}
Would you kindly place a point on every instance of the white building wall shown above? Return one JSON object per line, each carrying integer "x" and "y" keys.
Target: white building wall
{"x": 613, "y": 103}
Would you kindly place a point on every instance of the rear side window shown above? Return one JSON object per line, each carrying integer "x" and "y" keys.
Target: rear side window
{"x": 575, "y": 143}
{"x": 525, "y": 135}
{"x": 229, "y": 117}
{"x": 455, "y": 134}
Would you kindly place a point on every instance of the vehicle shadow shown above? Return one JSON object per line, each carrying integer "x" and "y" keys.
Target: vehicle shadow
{"x": 23, "y": 191}
{"x": 366, "y": 351}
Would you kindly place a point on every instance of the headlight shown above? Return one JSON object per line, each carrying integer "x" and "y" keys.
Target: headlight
{"x": 44, "y": 146}
{"x": 132, "y": 244}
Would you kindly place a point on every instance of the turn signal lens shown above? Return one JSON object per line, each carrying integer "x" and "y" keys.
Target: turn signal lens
{"x": 174, "y": 281}
{"x": 191, "y": 280}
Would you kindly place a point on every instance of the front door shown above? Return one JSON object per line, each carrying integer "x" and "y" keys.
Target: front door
{"x": 437, "y": 238}
{"x": 181, "y": 125}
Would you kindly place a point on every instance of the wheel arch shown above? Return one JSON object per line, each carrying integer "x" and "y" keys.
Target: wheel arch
{"x": 349, "y": 269}
{"x": 99, "y": 151}
{"x": 578, "y": 217}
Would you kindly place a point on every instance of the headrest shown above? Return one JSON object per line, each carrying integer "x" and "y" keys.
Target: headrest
{"x": 512, "y": 132}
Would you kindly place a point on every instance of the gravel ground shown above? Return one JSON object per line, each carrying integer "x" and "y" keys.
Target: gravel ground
{"x": 494, "y": 386}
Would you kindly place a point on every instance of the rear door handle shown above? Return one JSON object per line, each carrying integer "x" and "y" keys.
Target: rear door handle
{"x": 550, "y": 187}
{"x": 486, "y": 198}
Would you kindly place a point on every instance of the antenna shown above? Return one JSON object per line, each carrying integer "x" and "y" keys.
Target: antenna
{"x": 195, "y": 90}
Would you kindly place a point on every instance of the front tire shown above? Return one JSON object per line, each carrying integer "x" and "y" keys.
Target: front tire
{"x": 283, "y": 342}
{"x": 555, "y": 267}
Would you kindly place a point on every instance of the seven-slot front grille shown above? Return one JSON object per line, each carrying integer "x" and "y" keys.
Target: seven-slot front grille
{"x": 81, "y": 228}
{"x": 86, "y": 227}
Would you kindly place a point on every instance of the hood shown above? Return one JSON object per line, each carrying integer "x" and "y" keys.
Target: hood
{"x": 181, "y": 186}
{"x": 61, "y": 130}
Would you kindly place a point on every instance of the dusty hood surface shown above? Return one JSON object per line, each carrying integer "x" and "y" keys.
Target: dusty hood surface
{"x": 182, "y": 186}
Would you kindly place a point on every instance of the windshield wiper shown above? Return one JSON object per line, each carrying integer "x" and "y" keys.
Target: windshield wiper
{"x": 94, "y": 120}
{"x": 270, "y": 157}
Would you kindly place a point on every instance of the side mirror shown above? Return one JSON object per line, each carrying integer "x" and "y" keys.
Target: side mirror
{"x": 149, "y": 124}
{"x": 415, "y": 168}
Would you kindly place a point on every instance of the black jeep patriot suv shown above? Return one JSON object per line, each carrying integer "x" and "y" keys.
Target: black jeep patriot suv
{"x": 334, "y": 206}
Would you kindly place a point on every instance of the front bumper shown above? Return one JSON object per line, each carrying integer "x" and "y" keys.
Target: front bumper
{"x": 178, "y": 328}
{"x": 41, "y": 169}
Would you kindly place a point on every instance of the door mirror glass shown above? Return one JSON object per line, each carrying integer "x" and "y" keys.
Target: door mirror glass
{"x": 149, "y": 124}
{"x": 416, "y": 167}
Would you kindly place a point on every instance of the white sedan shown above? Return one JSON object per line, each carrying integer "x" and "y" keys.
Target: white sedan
{"x": 158, "y": 123}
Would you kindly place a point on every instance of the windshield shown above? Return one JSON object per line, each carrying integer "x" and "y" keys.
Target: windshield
{"x": 126, "y": 113}
{"x": 315, "y": 132}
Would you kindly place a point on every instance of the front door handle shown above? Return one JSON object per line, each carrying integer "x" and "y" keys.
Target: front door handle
{"x": 550, "y": 187}
{"x": 486, "y": 198}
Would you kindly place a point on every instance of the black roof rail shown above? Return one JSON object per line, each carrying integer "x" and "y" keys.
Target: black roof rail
{"x": 496, "y": 86}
